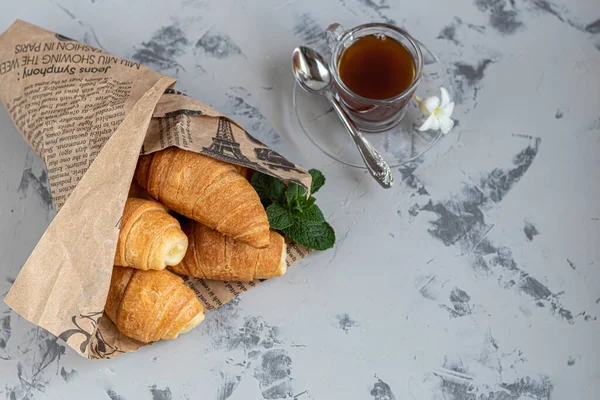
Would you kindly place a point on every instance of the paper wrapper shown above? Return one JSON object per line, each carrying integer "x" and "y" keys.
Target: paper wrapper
{"x": 87, "y": 114}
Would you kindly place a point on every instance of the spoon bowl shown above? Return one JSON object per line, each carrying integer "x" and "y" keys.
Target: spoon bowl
{"x": 310, "y": 70}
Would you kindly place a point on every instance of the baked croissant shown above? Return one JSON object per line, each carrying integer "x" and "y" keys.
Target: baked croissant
{"x": 206, "y": 190}
{"x": 212, "y": 255}
{"x": 150, "y": 238}
{"x": 151, "y": 305}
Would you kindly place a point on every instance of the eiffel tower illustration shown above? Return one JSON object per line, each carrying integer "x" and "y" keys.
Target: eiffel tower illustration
{"x": 224, "y": 146}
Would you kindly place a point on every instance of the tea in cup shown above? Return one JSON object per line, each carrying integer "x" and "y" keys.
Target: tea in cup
{"x": 376, "y": 70}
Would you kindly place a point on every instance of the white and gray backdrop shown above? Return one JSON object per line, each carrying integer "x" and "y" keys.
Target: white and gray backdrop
{"x": 476, "y": 277}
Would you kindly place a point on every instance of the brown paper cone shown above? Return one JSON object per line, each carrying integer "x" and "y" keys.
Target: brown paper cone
{"x": 87, "y": 114}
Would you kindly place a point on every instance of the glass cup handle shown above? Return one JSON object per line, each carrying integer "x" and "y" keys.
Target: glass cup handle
{"x": 333, "y": 35}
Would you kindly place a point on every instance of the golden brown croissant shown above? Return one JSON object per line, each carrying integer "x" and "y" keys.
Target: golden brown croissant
{"x": 206, "y": 190}
{"x": 212, "y": 255}
{"x": 151, "y": 305}
{"x": 149, "y": 238}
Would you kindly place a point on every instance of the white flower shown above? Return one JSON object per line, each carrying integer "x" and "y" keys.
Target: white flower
{"x": 438, "y": 112}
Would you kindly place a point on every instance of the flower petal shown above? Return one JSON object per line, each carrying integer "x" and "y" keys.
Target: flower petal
{"x": 446, "y": 111}
{"x": 428, "y": 123}
{"x": 436, "y": 124}
{"x": 429, "y": 104}
{"x": 446, "y": 123}
{"x": 445, "y": 96}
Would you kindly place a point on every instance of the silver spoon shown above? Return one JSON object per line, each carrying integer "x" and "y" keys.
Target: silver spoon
{"x": 312, "y": 74}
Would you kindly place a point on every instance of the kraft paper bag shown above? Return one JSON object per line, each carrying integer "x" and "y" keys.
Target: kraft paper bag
{"x": 89, "y": 115}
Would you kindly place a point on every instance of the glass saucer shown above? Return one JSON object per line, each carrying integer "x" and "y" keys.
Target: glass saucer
{"x": 398, "y": 146}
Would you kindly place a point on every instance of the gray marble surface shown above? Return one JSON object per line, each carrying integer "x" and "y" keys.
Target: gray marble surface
{"x": 476, "y": 277}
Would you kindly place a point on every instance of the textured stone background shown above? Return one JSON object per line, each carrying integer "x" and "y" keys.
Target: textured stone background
{"x": 476, "y": 277}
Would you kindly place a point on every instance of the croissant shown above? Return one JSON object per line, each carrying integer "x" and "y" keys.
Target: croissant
{"x": 212, "y": 255}
{"x": 206, "y": 190}
{"x": 151, "y": 305}
{"x": 150, "y": 238}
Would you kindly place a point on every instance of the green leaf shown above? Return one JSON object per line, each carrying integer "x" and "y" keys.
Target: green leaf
{"x": 277, "y": 190}
{"x": 314, "y": 235}
{"x": 318, "y": 180}
{"x": 262, "y": 185}
{"x": 312, "y": 214}
{"x": 295, "y": 194}
{"x": 269, "y": 189}
{"x": 307, "y": 203}
{"x": 279, "y": 216}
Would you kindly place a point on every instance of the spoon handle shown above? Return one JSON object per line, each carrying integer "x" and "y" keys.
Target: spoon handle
{"x": 373, "y": 160}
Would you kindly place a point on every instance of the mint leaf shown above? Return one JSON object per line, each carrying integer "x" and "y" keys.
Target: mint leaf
{"x": 318, "y": 180}
{"x": 279, "y": 216}
{"x": 312, "y": 214}
{"x": 269, "y": 189}
{"x": 277, "y": 190}
{"x": 305, "y": 203}
{"x": 295, "y": 194}
{"x": 262, "y": 184}
{"x": 314, "y": 235}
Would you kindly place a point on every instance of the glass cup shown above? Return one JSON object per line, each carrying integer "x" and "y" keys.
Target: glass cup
{"x": 372, "y": 115}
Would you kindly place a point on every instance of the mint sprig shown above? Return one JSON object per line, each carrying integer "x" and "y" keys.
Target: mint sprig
{"x": 294, "y": 213}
